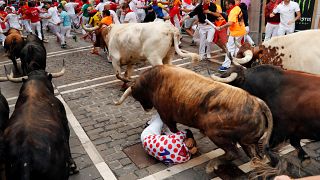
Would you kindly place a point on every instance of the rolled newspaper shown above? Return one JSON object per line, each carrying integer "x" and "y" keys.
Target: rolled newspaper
{"x": 211, "y": 24}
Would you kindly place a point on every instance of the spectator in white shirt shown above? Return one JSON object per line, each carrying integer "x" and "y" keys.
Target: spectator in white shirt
{"x": 54, "y": 20}
{"x": 70, "y": 8}
{"x": 100, "y": 6}
{"x": 127, "y": 15}
{"x": 12, "y": 19}
{"x": 141, "y": 13}
{"x": 287, "y": 10}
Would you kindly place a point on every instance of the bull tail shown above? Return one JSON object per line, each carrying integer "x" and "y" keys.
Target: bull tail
{"x": 262, "y": 169}
{"x": 194, "y": 57}
{"x": 264, "y": 147}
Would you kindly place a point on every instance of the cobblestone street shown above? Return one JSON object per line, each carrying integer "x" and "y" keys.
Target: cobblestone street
{"x": 105, "y": 139}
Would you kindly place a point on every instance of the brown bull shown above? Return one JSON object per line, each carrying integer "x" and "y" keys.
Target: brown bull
{"x": 226, "y": 114}
{"x": 13, "y": 45}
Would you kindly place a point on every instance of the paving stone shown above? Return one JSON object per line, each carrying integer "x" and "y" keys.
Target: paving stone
{"x": 125, "y": 170}
{"x": 115, "y": 164}
{"x": 115, "y": 156}
{"x": 187, "y": 175}
{"x": 114, "y": 143}
{"x": 117, "y": 135}
{"x": 125, "y": 161}
{"x": 83, "y": 162}
{"x": 102, "y": 147}
{"x": 128, "y": 176}
{"x": 141, "y": 173}
{"x": 102, "y": 141}
{"x": 156, "y": 168}
{"x": 88, "y": 173}
{"x": 107, "y": 151}
{"x": 95, "y": 131}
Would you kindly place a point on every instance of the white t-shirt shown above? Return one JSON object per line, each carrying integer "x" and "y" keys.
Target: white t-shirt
{"x": 115, "y": 18}
{"x": 187, "y": 6}
{"x": 131, "y": 17}
{"x": 53, "y": 12}
{"x": 100, "y": 6}
{"x": 69, "y": 7}
{"x": 133, "y": 5}
{"x": 13, "y": 21}
{"x": 287, "y": 12}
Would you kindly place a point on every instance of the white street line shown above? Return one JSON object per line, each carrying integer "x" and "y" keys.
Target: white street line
{"x": 56, "y": 52}
{"x": 105, "y": 83}
{"x": 204, "y": 158}
{"x": 104, "y": 77}
{"x": 91, "y": 150}
{"x": 68, "y": 52}
{"x": 184, "y": 166}
{"x": 73, "y": 49}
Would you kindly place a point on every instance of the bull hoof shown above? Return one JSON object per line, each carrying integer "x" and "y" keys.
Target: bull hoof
{"x": 305, "y": 162}
{"x": 73, "y": 169}
{"x": 213, "y": 165}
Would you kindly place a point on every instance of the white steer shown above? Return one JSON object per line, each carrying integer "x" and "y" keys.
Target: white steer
{"x": 155, "y": 42}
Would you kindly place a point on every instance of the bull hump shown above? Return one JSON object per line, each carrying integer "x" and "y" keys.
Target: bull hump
{"x": 272, "y": 55}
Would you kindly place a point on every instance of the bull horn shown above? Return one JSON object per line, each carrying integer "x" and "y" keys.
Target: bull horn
{"x": 61, "y": 73}
{"x": 3, "y": 79}
{"x": 11, "y": 78}
{"x": 248, "y": 54}
{"x": 231, "y": 78}
{"x": 89, "y": 29}
{"x": 124, "y": 96}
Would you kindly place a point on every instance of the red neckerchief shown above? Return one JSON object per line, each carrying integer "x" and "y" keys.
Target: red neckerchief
{"x": 129, "y": 11}
{"x": 205, "y": 6}
{"x": 229, "y": 10}
{"x": 188, "y": 1}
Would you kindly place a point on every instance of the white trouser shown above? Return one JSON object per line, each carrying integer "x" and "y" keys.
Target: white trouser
{"x": 74, "y": 18}
{"x": 55, "y": 29}
{"x": 65, "y": 33}
{"x": 26, "y": 25}
{"x": 232, "y": 48}
{"x": 176, "y": 22}
{"x": 154, "y": 128}
{"x": 141, "y": 14}
{"x": 206, "y": 33}
{"x": 285, "y": 29}
{"x": 271, "y": 31}
{"x": 36, "y": 26}
{"x": 247, "y": 36}
{"x": 2, "y": 37}
{"x": 45, "y": 23}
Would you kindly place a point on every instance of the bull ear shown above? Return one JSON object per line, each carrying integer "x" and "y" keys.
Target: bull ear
{"x": 24, "y": 80}
{"x": 50, "y": 77}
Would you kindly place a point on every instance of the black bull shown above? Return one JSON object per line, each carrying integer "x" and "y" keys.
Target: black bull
{"x": 4, "y": 117}
{"x": 37, "y": 134}
{"x": 293, "y": 98}
{"x": 33, "y": 55}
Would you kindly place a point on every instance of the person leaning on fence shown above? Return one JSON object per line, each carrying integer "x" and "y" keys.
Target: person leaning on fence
{"x": 169, "y": 148}
{"x": 237, "y": 31}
